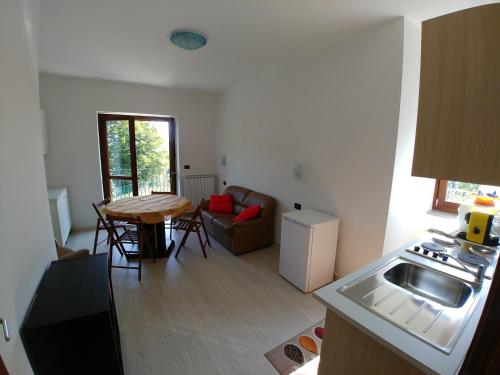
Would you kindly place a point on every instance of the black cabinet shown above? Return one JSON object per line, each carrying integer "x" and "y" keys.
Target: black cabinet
{"x": 71, "y": 326}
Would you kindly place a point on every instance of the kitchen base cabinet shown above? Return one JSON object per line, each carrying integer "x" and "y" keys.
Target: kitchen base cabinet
{"x": 346, "y": 351}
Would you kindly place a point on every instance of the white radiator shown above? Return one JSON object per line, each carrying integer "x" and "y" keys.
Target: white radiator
{"x": 196, "y": 187}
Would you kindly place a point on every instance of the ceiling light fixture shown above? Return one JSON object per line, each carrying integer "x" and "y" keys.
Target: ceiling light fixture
{"x": 189, "y": 40}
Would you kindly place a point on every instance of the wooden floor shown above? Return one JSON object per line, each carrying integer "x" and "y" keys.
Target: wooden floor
{"x": 206, "y": 316}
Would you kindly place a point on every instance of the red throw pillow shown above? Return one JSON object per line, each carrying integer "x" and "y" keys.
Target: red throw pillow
{"x": 221, "y": 203}
{"x": 247, "y": 214}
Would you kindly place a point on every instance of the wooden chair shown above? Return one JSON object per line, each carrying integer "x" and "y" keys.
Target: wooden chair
{"x": 192, "y": 224}
{"x": 118, "y": 240}
{"x": 101, "y": 225}
{"x": 170, "y": 223}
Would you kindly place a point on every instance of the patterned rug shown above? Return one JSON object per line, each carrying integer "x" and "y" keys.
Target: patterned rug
{"x": 299, "y": 350}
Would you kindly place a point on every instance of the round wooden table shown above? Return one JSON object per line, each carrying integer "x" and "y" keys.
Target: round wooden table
{"x": 151, "y": 209}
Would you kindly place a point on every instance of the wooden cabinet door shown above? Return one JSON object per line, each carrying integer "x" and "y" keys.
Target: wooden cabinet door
{"x": 3, "y": 369}
{"x": 458, "y": 125}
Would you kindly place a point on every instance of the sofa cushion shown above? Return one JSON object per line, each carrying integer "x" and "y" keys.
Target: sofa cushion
{"x": 221, "y": 203}
{"x": 239, "y": 193}
{"x": 225, "y": 221}
{"x": 247, "y": 214}
{"x": 264, "y": 201}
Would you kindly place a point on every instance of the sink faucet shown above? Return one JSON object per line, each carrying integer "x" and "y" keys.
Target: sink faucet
{"x": 479, "y": 274}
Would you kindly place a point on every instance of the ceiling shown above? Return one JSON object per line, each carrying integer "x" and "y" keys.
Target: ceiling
{"x": 128, "y": 40}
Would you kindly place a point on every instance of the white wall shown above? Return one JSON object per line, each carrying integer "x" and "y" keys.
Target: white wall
{"x": 26, "y": 244}
{"x": 336, "y": 111}
{"x": 71, "y": 105}
{"x": 411, "y": 197}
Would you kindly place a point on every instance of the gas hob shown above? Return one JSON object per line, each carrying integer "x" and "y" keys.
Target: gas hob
{"x": 468, "y": 254}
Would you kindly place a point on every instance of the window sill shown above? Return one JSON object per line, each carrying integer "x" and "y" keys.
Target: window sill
{"x": 442, "y": 214}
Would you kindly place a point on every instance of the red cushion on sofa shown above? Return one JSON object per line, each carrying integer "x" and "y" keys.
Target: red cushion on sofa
{"x": 221, "y": 203}
{"x": 247, "y": 214}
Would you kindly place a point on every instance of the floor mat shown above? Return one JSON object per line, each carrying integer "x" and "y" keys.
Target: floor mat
{"x": 299, "y": 350}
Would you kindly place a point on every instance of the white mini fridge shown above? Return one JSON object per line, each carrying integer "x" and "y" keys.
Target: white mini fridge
{"x": 308, "y": 248}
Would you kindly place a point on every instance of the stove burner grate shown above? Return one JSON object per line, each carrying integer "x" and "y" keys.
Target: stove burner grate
{"x": 433, "y": 247}
{"x": 473, "y": 259}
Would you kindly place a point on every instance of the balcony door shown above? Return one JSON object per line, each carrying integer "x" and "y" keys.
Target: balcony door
{"x": 137, "y": 154}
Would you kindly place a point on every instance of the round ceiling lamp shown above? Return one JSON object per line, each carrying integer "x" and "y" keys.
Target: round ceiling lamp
{"x": 189, "y": 40}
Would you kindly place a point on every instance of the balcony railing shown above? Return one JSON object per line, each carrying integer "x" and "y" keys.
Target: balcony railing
{"x": 123, "y": 188}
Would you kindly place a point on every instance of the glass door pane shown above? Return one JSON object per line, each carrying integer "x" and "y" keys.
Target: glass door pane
{"x": 119, "y": 159}
{"x": 120, "y": 189}
{"x": 119, "y": 148}
{"x": 153, "y": 157}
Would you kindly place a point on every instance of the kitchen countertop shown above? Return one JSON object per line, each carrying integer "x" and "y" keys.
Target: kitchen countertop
{"x": 416, "y": 351}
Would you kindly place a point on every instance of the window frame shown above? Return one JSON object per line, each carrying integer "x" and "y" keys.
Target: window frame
{"x": 439, "y": 203}
{"x": 103, "y": 150}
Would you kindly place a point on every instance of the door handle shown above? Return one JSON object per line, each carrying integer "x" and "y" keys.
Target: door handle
{"x": 5, "y": 329}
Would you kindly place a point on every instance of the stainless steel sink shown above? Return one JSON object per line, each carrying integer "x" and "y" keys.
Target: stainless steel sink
{"x": 433, "y": 285}
{"x": 427, "y": 303}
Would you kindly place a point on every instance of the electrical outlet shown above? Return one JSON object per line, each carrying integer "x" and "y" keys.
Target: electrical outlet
{"x": 224, "y": 183}
{"x": 297, "y": 206}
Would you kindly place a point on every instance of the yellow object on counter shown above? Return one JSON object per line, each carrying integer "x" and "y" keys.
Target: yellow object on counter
{"x": 479, "y": 226}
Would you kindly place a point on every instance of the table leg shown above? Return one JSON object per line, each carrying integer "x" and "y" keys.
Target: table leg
{"x": 163, "y": 246}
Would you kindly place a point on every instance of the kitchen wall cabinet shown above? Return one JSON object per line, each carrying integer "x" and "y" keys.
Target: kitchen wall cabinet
{"x": 458, "y": 124}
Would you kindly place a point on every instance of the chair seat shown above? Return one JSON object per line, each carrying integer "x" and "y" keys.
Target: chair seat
{"x": 182, "y": 224}
{"x": 118, "y": 224}
{"x": 130, "y": 236}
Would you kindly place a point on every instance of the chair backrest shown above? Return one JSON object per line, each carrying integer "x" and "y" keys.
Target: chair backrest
{"x": 196, "y": 213}
{"x": 98, "y": 209}
{"x": 114, "y": 218}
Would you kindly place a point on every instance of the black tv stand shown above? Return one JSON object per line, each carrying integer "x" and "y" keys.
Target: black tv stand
{"x": 71, "y": 326}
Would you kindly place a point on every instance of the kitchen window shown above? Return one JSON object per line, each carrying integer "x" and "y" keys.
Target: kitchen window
{"x": 448, "y": 195}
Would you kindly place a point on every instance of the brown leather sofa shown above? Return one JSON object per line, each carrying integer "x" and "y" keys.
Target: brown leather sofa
{"x": 245, "y": 236}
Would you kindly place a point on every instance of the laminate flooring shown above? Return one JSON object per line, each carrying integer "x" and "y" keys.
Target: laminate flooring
{"x": 193, "y": 315}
